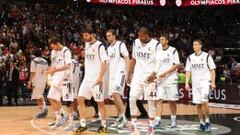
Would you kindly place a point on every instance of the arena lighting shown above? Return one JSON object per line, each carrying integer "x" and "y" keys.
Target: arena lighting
{"x": 162, "y": 2}
{"x": 88, "y": 0}
{"x": 178, "y": 3}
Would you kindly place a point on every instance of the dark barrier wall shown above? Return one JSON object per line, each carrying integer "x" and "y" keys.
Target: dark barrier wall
{"x": 225, "y": 93}
{"x": 173, "y": 3}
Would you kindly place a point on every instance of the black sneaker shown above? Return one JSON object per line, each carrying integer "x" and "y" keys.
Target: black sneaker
{"x": 122, "y": 122}
{"x": 42, "y": 114}
{"x": 116, "y": 123}
{"x": 76, "y": 116}
{"x": 207, "y": 127}
{"x": 52, "y": 123}
{"x": 202, "y": 127}
{"x": 102, "y": 129}
{"x": 79, "y": 130}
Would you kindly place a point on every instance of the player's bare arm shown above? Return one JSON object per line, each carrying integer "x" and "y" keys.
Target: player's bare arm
{"x": 153, "y": 75}
{"x": 59, "y": 69}
{"x": 151, "y": 78}
{"x": 102, "y": 72}
{"x": 32, "y": 75}
{"x": 169, "y": 71}
{"x": 213, "y": 78}
{"x": 130, "y": 70}
{"x": 188, "y": 74}
{"x": 127, "y": 64}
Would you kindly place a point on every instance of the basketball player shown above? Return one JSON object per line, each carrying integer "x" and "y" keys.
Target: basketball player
{"x": 118, "y": 61}
{"x": 142, "y": 65}
{"x": 95, "y": 68}
{"x": 53, "y": 59}
{"x": 37, "y": 82}
{"x": 76, "y": 79}
{"x": 75, "y": 76}
{"x": 201, "y": 68}
{"x": 60, "y": 78}
{"x": 166, "y": 67}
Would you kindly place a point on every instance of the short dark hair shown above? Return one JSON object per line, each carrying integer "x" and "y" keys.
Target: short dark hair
{"x": 88, "y": 30}
{"x": 199, "y": 41}
{"x": 112, "y": 31}
{"x": 54, "y": 39}
{"x": 144, "y": 29}
{"x": 165, "y": 36}
{"x": 38, "y": 52}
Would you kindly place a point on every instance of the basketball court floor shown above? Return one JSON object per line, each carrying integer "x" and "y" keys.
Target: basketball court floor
{"x": 19, "y": 121}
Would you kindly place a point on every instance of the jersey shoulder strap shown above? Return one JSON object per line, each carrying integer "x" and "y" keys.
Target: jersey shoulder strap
{"x": 189, "y": 59}
{"x": 120, "y": 50}
{"x": 207, "y": 61}
{"x": 134, "y": 43}
{"x": 99, "y": 50}
{"x": 64, "y": 54}
{"x": 174, "y": 51}
{"x": 157, "y": 46}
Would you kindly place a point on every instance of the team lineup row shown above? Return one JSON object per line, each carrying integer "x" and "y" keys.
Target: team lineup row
{"x": 151, "y": 74}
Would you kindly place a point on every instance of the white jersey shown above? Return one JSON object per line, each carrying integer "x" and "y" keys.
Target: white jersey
{"x": 165, "y": 60}
{"x": 116, "y": 55}
{"x": 39, "y": 67}
{"x": 75, "y": 71}
{"x": 95, "y": 54}
{"x": 145, "y": 55}
{"x": 62, "y": 57}
{"x": 200, "y": 66}
{"x": 53, "y": 58}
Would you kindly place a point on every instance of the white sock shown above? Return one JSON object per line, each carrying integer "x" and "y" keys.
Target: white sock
{"x": 44, "y": 107}
{"x": 71, "y": 122}
{"x": 133, "y": 121}
{"x": 151, "y": 123}
{"x": 207, "y": 120}
{"x": 58, "y": 115}
{"x": 99, "y": 115}
{"x": 173, "y": 118}
{"x": 104, "y": 123}
{"x": 83, "y": 122}
{"x": 44, "y": 104}
{"x": 122, "y": 116}
{"x": 40, "y": 108}
{"x": 158, "y": 118}
{"x": 75, "y": 113}
{"x": 202, "y": 122}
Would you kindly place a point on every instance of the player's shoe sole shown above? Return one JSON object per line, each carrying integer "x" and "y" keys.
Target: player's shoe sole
{"x": 102, "y": 130}
{"x": 80, "y": 130}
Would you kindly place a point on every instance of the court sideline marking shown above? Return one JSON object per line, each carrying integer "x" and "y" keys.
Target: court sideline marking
{"x": 39, "y": 129}
{"x": 46, "y": 132}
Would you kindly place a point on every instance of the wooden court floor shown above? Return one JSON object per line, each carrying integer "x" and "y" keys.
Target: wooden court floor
{"x": 19, "y": 120}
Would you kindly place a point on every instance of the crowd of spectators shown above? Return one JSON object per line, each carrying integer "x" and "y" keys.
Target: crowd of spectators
{"x": 24, "y": 27}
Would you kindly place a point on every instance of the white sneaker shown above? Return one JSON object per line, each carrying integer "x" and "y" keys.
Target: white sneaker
{"x": 57, "y": 124}
{"x": 157, "y": 125}
{"x": 122, "y": 123}
{"x": 51, "y": 123}
{"x": 70, "y": 127}
{"x": 115, "y": 124}
{"x": 173, "y": 125}
{"x": 64, "y": 117}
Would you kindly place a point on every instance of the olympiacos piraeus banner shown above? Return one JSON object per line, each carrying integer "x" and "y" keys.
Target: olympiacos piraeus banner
{"x": 172, "y": 3}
